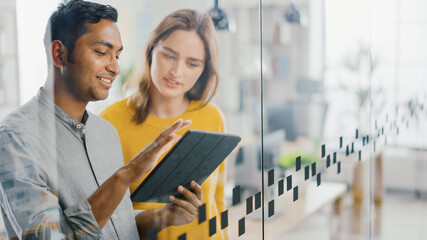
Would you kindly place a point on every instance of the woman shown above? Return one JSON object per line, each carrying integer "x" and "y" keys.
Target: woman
{"x": 178, "y": 80}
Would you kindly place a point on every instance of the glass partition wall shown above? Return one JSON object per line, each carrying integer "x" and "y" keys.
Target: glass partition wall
{"x": 329, "y": 99}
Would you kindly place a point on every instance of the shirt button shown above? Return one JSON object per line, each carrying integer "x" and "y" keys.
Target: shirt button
{"x": 100, "y": 181}
{"x": 78, "y": 126}
{"x": 114, "y": 216}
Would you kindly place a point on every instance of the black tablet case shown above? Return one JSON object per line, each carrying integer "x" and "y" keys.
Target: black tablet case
{"x": 194, "y": 157}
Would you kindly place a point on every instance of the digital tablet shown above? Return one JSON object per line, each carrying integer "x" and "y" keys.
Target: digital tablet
{"x": 194, "y": 157}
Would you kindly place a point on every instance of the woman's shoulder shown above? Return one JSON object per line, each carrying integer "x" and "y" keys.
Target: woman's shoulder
{"x": 209, "y": 116}
{"x": 210, "y": 109}
{"x": 119, "y": 109}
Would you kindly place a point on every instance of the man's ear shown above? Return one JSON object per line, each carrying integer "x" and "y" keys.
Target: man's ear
{"x": 59, "y": 52}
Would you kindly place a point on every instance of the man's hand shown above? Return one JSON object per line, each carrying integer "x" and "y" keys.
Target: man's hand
{"x": 177, "y": 212}
{"x": 180, "y": 211}
{"x": 147, "y": 158}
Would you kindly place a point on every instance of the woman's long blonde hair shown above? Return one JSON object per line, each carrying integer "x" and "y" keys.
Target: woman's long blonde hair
{"x": 205, "y": 87}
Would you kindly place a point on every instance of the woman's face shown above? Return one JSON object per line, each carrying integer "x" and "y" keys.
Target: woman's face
{"x": 177, "y": 63}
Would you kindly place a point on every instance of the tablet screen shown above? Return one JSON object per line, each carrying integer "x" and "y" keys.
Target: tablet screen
{"x": 194, "y": 157}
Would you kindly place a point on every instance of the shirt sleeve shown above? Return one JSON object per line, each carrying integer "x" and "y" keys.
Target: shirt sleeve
{"x": 31, "y": 208}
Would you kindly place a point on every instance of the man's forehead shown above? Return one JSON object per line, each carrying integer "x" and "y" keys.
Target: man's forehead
{"x": 105, "y": 32}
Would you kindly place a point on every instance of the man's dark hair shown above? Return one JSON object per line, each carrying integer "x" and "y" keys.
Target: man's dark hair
{"x": 68, "y": 22}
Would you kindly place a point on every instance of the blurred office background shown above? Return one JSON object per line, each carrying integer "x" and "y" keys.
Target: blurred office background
{"x": 328, "y": 96}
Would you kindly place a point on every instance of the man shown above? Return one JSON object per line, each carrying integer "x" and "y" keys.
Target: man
{"x": 61, "y": 167}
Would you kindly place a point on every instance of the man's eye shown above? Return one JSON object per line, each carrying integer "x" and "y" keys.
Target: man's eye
{"x": 101, "y": 53}
{"x": 118, "y": 57}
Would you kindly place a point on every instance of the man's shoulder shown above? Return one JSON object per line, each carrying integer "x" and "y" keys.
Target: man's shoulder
{"x": 100, "y": 124}
{"x": 21, "y": 119}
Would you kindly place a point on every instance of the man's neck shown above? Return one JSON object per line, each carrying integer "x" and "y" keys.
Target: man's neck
{"x": 66, "y": 101}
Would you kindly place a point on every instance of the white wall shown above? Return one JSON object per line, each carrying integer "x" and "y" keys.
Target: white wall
{"x": 32, "y": 17}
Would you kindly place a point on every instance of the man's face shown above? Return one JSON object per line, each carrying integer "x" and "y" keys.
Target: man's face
{"x": 95, "y": 62}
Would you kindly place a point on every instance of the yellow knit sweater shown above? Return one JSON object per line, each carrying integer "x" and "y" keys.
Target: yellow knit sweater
{"x": 135, "y": 137}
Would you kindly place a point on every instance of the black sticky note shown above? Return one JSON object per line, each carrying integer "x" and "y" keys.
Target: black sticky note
{"x": 289, "y": 182}
{"x": 249, "y": 205}
{"x": 339, "y": 167}
{"x": 202, "y": 213}
{"x": 323, "y": 150}
{"x": 271, "y": 177}
{"x": 298, "y": 163}
{"x": 236, "y": 195}
{"x": 212, "y": 226}
{"x": 295, "y": 193}
{"x": 335, "y": 158}
{"x": 271, "y": 208}
{"x": 340, "y": 142}
{"x": 241, "y": 226}
{"x": 152, "y": 234}
{"x": 224, "y": 219}
{"x": 382, "y": 131}
{"x": 281, "y": 185}
{"x": 367, "y": 139}
{"x": 364, "y": 140}
{"x": 352, "y": 147}
{"x": 379, "y": 133}
{"x": 360, "y": 155}
{"x": 328, "y": 161}
{"x": 183, "y": 237}
{"x": 318, "y": 179}
{"x": 257, "y": 200}
{"x": 347, "y": 151}
{"x": 357, "y": 133}
{"x": 313, "y": 169}
{"x": 306, "y": 172}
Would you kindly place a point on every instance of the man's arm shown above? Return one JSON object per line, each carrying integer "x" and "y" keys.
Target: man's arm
{"x": 36, "y": 207}
{"x": 32, "y": 208}
{"x": 106, "y": 199}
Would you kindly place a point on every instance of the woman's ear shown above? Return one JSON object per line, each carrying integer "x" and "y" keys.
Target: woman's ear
{"x": 58, "y": 51}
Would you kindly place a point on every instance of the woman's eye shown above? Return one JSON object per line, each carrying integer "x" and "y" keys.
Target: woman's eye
{"x": 193, "y": 64}
{"x": 167, "y": 56}
{"x": 118, "y": 57}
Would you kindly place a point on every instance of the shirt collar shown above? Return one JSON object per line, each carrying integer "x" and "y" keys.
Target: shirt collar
{"x": 60, "y": 114}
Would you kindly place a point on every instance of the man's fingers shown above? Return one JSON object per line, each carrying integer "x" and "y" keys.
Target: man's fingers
{"x": 197, "y": 190}
{"x": 168, "y": 134}
{"x": 186, "y": 205}
{"x": 191, "y": 197}
{"x": 176, "y": 126}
